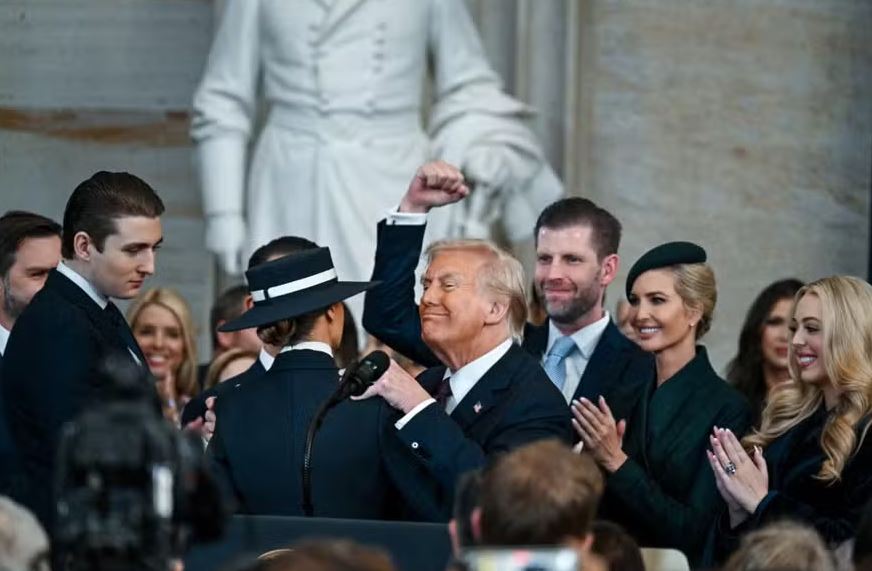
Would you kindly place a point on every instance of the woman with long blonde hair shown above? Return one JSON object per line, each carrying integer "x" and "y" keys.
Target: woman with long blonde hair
{"x": 810, "y": 458}
{"x": 161, "y": 323}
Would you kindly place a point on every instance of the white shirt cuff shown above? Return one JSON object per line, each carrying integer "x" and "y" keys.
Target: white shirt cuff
{"x": 411, "y": 414}
{"x": 397, "y": 218}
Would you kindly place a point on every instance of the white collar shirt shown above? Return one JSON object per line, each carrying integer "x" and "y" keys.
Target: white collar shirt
{"x": 83, "y": 284}
{"x": 461, "y": 381}
{"x": 4, "y": 339}
{"x": 310, "y": 345}
{"x": 266, "y": 359}
{"x": 464, "y": 379}
{"x": 586, "y": 340}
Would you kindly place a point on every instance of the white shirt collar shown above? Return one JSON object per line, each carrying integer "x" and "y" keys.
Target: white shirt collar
{"x": 586, "y": 338}
{"x": 84, "y": 284}
{"x": 266, "y": 359}
{"x": 310, "y": 345}
{"x": 4, "y": 339}
{"x": 468, "y": 375}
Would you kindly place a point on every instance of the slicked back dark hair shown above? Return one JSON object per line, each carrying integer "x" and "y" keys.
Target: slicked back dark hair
{"x": 97, "y": 202}
{"x": 576, "y": 211}
{"x": 279, "y": 248}
{"x": 16, "y": 226}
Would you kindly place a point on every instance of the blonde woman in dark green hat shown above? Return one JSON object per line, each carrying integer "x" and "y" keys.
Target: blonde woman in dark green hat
{"x": 659, "y": 485}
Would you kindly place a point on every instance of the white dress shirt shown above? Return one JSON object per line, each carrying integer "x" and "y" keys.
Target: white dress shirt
{"x": 311, "y": 345}
{"x": 586, "y": 340}
{"x": 462, "y": 381}
{"x": 266, "y": 359}
{"x": 4, "y": 339}
{"x": 84, "y": 284}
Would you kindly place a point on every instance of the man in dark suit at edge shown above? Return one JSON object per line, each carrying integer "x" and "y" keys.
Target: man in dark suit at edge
{"x": 30, "y": 247}
{"x": 111, "y": 233}
{"x": 583, "y": 352}
{"x": 490, "y": 396}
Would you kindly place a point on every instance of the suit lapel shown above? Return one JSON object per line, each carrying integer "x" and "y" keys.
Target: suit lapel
{"x": 486, "y": 392}
{"x": 605, "y": 358}
{"x": 338, "y": 11}
{"x": 120, "y": 338}
{"x": 536, "y": 339}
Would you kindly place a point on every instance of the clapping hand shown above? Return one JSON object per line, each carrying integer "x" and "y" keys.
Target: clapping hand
{"x": 600, "y": 434}
{"x": 742, "y": 480}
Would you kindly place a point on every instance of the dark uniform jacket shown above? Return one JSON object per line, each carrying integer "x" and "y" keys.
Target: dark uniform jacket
{"x": 512, "y": 404}
{"x": 50, "y": 373}
{"x": 665, "y": 493}
{"x": 258, "y": 446}
{"x": 8, "y": 456}
{"x": 793, "y": 460}
{"x": 617, "y": 368}
{"x": 196, "y": 407}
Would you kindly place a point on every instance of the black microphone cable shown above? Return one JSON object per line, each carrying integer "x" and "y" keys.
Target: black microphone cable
{"x": 357, "y": 378}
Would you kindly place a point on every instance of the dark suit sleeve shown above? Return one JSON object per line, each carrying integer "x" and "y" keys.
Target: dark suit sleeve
{"x": 835, "y": 521}
{"x": 218, "y": 463}
{"x": 46, "y": 382}
{"x": 389, "y": 310}
{"x": 441, "y": 446}
{"x": 672, "y": 521}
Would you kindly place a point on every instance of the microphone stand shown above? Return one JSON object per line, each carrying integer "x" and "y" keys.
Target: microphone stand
{"x": 314, "y": 426}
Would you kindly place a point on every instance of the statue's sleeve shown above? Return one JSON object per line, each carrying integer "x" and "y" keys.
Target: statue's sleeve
{"x": 477, "y": 126}
{"x": 225, "y": 106}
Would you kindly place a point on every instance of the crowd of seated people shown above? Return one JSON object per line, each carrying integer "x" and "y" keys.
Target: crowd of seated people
{"x": 518, "y": 428}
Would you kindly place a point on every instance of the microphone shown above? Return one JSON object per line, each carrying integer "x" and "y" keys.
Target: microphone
{"x": 357, "y": 378}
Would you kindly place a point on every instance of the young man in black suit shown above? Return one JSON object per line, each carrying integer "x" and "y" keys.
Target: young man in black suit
{"x": 111, "y": 233}
{"x": 30, "y": 247}
{"x": 577, "y": 242}
{"x": 490, "y": 396}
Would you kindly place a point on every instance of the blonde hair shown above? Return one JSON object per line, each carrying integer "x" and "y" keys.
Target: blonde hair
{"x": 695, "y": 285}
{"x": 186, "y": 376}
{"x": 846, "y": 326}
{"x": 501, "y": 275}
{"x": 217, "y": 366}
{"x": 782, "y": 545}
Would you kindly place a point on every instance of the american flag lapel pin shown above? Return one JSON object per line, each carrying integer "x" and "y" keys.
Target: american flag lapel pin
{"x": 476, "y": 408}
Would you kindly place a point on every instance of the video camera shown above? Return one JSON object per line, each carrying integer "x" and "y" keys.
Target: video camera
{"x": 132, "y": 490}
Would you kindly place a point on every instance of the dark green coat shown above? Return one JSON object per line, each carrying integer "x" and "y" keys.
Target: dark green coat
{"x": 665, "y": 493}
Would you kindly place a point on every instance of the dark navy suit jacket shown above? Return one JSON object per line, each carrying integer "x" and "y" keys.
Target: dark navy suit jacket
{"x": 259, "y": 441}
{"x": 617, "y": 370}
{"x": 8, "y": 456}
{"x": 50, "y": 373}
{"x": 196, "y": 407}
{"x": 513, "y": 404}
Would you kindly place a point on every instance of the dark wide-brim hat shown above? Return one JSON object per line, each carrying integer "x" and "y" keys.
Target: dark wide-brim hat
{"x": 291, "y": 286}
{"x": 663, "y": 256}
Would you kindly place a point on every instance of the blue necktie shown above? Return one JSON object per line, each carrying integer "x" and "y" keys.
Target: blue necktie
{"x": 555, "y": 361}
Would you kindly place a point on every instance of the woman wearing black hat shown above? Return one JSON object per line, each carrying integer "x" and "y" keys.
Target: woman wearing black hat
{"x": 258, "y": 446}
{"x": 659, "y": 485}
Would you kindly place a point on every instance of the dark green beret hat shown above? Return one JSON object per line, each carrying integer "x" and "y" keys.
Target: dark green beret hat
{"x": 665, "y": 255}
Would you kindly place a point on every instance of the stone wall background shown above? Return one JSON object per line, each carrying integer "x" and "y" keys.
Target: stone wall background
{"x": 745, "y": 125}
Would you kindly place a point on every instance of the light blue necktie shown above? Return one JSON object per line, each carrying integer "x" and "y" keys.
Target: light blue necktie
{"x": 555, "y": 362}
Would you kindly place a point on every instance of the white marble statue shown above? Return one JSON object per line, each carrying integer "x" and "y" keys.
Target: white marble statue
{"x": 343, "y": 81}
